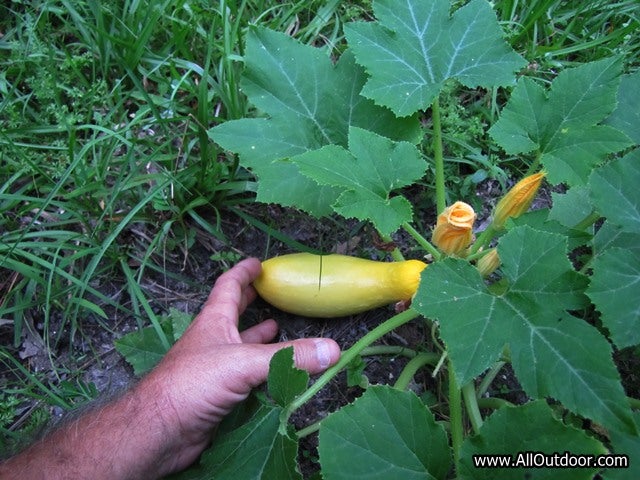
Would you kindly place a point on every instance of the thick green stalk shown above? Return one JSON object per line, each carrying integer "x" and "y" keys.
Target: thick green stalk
{"x": 483, "y": 239}
{"x": 411, "y": 368}
{"x": 438, "y": 156}
{"x": 367, "y": 351}
{"x": 494, "y": 403}
{"x": 346, "y": 358}
{"x": 471, "y": 404}
{"x": 388, "y": 350}
{"x": 423, "y": 242}
{"x": 455, "y": 416}
{"x": 488, "y": 378}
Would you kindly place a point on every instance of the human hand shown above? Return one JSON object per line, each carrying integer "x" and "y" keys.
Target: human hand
{"x": 213, "y": 366}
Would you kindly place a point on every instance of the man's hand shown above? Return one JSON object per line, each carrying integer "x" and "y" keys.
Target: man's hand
{"x": 164, "y": 422}
{"x": 214, "y": 366}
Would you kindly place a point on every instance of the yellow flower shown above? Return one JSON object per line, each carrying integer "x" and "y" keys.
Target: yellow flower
{"x": 517, "y": 200}
{"x": 454, "y": 228}
{"x": 489, "y": 263}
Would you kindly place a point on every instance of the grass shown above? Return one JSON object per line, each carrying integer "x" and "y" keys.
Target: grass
{"x": 107, "y": 170}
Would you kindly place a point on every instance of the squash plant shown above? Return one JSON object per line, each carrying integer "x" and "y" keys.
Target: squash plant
{"x": 341, "y": 137}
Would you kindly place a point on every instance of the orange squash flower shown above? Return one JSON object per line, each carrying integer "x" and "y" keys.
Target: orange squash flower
{"x": 517, "y": 200}
{"x": 454, "y": 228}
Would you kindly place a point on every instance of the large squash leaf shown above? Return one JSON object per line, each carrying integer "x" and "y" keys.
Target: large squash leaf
{"x": 415, "y": 46}
{"x": 309, "y": 103}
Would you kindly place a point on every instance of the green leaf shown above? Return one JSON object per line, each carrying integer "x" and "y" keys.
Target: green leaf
{"x": 553, "y": 354}
{"x": 529, "y": 428}
{"x": 571, "y": 207}
{"x": 629, "y": 445}
{"x": 626, "y": 116}
{"x": 415, "y": 46}
{"x": 614, "y": 191}
{"x": 179, "y": 321}
{"x": 285, "y": 381}
{"x": 541, "y": 220}
{"x": 610, "y": 236}
{"x": 373, "y": 167}
{"x": 562, "y": 126}
{"x": 253, "y": 451}
{"x": 386, "y": 433}
{"x": 614, "y": 291}
{"x": 310, "y": 102}
{"x": 144, "y": 349}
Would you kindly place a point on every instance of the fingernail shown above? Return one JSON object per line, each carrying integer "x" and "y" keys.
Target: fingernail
{"x": 323, "y": 353}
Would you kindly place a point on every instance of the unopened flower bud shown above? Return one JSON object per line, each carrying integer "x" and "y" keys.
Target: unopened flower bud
{"x": 454, "y": 228}
{"x": 488, "y": 263}
{"x": 517, "y": 200}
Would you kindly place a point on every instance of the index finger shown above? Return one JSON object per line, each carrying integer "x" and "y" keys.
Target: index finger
{"x": 231, "y": 286}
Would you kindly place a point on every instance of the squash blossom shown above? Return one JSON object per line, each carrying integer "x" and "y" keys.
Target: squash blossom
{"x": 454, "y": 228}
{"x": 517, "y": 200}
{"x": 488, "y": 263}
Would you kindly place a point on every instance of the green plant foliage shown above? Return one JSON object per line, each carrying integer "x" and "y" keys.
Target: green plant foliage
{"x": 415, "y": 46}
{"x": 254, "y": 445}
{"x": 365, "y": 175}
{"x": 527, "y": 428}
{"x": 384, "y": 434}
{"x": 285, "y": 381}
{"x": 310, "y": 103}
{"x": 616, "y": 272}
{"x": 143, "y": 349}
{"x": 562, "y": 126}
{"x": 624, "y": 443}
{"x": 553, "y": 353}
{"x": 254, "y": 450}
{"x": 626, "y": 116}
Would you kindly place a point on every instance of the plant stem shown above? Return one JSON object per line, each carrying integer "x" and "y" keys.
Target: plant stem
{"x": 309, "y": 429}
{"x": 485, "y": 237}
{"x": 634, "y": 403}
{"x": 346, "y": 358}
{"x": 455, "y": 416}
{"x": 488, "y": 378}
{"x": 415, "y": 364}
{"x": 396, "y": 254}
{"x": 494, "y": 403}
{"x": 587, "y": 221}
{"x": 423, "y": 242}
{"x": 388, "y": 350}
{"x": 534, "y": 165}
{"x": 471, "y": 404}
{"x": 438, "y": 155}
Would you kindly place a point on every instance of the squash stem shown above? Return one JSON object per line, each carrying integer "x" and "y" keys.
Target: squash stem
{"x": 438, "y": 155}
{"x": 388, "y": 350}
{"x": 494, "y": 403}
{"x": 423, "y": 242}
{"x": 471, "y": 405}
{"x": 379, "y": 350}
{"x": 489, "y": 378}
{"x": 483, "y": 239}
{"x": 346, "y": 358}
{"x": 411, "y": 368}
{"x": 455, "y": 416}
{"x": 396, "y": 254}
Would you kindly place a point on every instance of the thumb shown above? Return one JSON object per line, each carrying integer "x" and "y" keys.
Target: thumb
{"x": 314, "y": 355}
{"x": 311, "y": 354}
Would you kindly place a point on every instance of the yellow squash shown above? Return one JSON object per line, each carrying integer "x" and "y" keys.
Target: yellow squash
{"x": 335, "y": 285}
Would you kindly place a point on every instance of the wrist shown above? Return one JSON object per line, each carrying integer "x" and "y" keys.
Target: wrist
{"x": 178, "y": 446}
